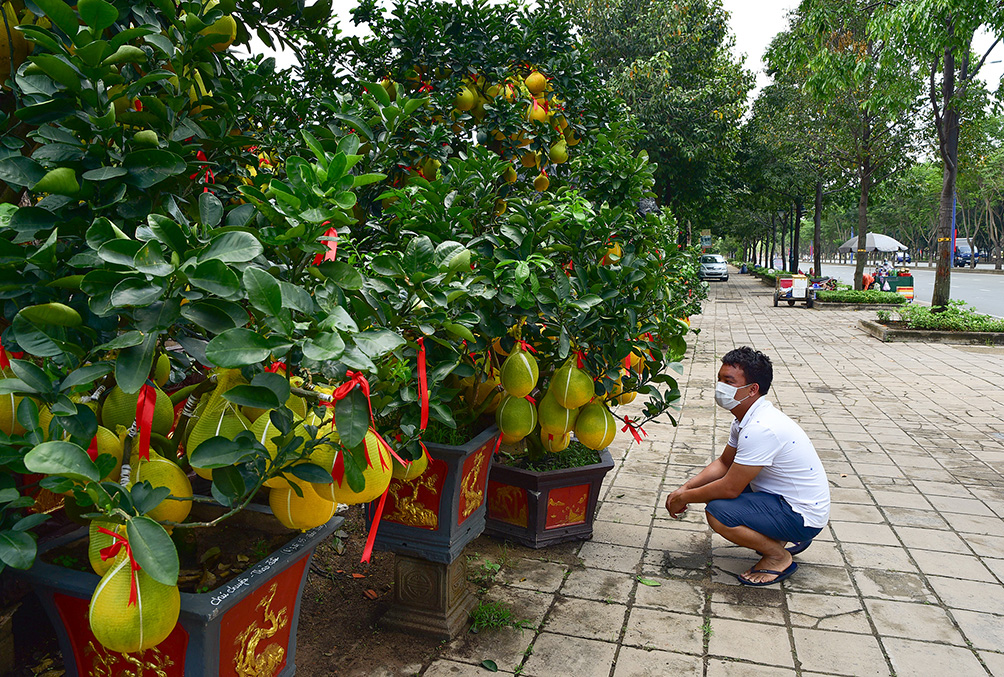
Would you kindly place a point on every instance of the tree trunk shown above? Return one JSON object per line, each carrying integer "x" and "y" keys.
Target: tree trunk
{"x": 796, "y": 233}
{"x": 817, "y": 227}
{"x": 773, "y": 238}
{"x": 948, "y": 137}
{"x": 860, "y": 256}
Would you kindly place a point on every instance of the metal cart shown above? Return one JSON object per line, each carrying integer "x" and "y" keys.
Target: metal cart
{"x": 794, "y": 288}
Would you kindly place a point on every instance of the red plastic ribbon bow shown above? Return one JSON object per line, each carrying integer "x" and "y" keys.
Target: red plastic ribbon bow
{"x": 331, "y": 240}
{"x": 145, "y": 405}
{"x": 113, "y": 550}
{"x": 423, "y": 385}
{"x": 580, "y": 359}
{"x": 276, "y": 367}
{"x": 629, "y": 426}
{"x": 207, "y": 173}
{"x": 526, "y": 346}
{"x": 5, "y": 357}
{"x": 92, "y": 450}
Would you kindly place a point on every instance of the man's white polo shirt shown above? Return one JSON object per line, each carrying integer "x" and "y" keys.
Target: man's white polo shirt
{"x": 790, "y": 466}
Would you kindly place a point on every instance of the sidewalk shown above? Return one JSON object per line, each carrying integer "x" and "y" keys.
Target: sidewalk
{"x": 906, "y": 580}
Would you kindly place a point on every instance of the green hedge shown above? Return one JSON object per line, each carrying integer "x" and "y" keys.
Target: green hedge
{"x": 852, "y": 296}
{"x": 958, "y": 316}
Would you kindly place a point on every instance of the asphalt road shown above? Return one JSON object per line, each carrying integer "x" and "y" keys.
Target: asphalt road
{"x": 982, "y": 290}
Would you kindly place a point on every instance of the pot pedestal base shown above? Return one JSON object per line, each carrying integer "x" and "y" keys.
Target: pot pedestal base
{"x": 430, "y": 598}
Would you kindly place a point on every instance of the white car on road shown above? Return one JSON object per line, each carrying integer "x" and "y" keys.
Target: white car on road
{"x": 713, "y": 267}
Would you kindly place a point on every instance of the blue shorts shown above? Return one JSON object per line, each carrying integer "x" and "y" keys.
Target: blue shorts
{"x": 764, "y": 513}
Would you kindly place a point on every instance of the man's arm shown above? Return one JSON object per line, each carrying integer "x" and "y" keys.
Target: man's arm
{"x": 730, "y": 485}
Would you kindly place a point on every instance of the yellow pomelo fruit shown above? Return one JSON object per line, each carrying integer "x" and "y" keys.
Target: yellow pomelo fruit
{"x": 265, "y": 432}
{"x": 554, "y": 418}
{"x": 626, "y": 398}
{"x": 119, "y": 408}
{"x": 377, "y": 474}
{"x": 109, "y": 443}
{"x": 613, "y": 255}
{"x": 300, "y": 512}
{"x": 536, "y": 112}
{"x": 322, "y": 455}
{"x": 535, "y": 82}
{"x": 510, "y": 175}
{"x": 410, "y": 471}
{"x": 541, "y": 183}
{"x": 516, "y": 418}
{"x": 570, "y": 138}
{"x": 465, "y": 100}
{"x": 519, "y": 373}
{"x": 225, "y": 28}
{"x": 390, "y": 87}
{"x": 571, "y": 386}
{"x": 8, "y": 414}
{"x": 485, "y": 389}
{"x": 128, "y": 628}
{"x": 162, "y": 371}
{"x": 223, "y": 422}
{"x": 97, "y": 541}
{"x": 595, "y": 427}
{"x": 44, "y": 419}
{"x": 558, "y": 152}
{"x": 637, "y": 362}
{"x": 530, "y": 159}
{"x": 555, "y": 443}
{"x": 160, "y": 472}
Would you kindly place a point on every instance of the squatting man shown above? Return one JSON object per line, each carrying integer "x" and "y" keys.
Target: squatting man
{"x": 768, "y": 488}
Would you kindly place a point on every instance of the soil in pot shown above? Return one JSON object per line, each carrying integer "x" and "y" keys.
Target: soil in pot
{"x": 576, "y": 455}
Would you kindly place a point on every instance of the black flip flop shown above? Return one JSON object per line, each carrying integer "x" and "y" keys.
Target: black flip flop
{"x": 798, "y": 546}
{"x": 781, "y": 575}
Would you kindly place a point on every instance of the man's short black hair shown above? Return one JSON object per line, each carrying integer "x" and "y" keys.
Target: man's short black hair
{"x": 755, "y": 365}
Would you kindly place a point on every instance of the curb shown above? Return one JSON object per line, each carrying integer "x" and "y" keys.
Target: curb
{"x": 889, "y": 335}
{"x": 835, "y": 305}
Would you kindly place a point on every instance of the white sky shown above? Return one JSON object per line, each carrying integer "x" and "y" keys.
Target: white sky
{"x": 754, "y": 24}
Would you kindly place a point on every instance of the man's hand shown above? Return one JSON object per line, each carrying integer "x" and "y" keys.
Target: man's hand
{"x": 675, "y": 504}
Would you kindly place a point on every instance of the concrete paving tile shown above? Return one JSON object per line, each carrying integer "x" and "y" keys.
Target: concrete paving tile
{"x": 679, "y": 540}
{"x": 750, "y": 641}
{"x": 893, "y": 585}
{"x": 563, "y": 655}
{"x": 943, "y": 489}
{"x": 671, "y": 595}
{"x": 877, "y": 470}
{"x": 971, "y": 595}
{"x": 995, "y": 565}
{"x": 838, "y": 495}
{"x": 966, "y": 506}
{"x": 924, "y": 622}
{"x": 901, "y": 499}
{"x": 827, "y": 612}
{"x": 528, "y": 606}
{"x": 839, "y": 653}
{"x": 666, "y": 630}
{"x": 743, "y": 612}
{"x": 505, "y": 646}
{"x": 921, "y": 658}
{"x": 932, "y": 539}
{"x": 929, "y": 474}
{"x": 633, "y": 662}
{"x": 629, "y": 480}
{"x": 610, "y": 557}
{"x": 915, "y": 517}
{"x": 858, "y": 532}
{"x": 642, "y": 497}
{"x": 688, "y": 566}
{"x": 852, "y": 512}
{"x": 975, "y": 524}
{"x": 444, "y": 668}
{"x": 994, "y": 662}
{"x": 586, "y": 618}
{"x": 862, "y": 555}
{"x": 620, "y": 534}
{"x": 533, "y": 575}
{"x": 953, "y": 566}
{"x": 985, "y": 631}
{"x": 986, "y": 546}
{"x": 599, "y": 585}
{"x": 827, "y": 580}
{"x": 623, "y": 513}
{"x": 821, "y": 552}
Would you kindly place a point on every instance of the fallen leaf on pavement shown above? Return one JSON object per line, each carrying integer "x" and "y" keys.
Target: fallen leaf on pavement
{"x": 370, "y": 594}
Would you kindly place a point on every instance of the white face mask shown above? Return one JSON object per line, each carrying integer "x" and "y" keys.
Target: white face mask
{"x": 725, "y": 395}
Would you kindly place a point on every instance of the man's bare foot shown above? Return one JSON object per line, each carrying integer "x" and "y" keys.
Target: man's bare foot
{"x": 757, "y": 573}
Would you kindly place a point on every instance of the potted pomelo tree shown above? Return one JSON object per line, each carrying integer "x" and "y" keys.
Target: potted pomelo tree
{"x": 134, "y": 259}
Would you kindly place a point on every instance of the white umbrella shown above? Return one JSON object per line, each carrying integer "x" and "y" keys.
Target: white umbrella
{"x": 874, "y": 242}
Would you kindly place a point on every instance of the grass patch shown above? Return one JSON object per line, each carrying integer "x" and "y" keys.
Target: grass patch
{"x": 860, "y": 296}
{"x": 958, "y": 316}
{"x": 495, "y": 616}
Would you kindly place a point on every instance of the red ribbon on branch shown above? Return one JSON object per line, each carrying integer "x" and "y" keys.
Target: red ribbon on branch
{"x": 5, "y": 357}
{"x": 629, "y": 426}
{"x": 371, "y": 538}
{"x": 112, "y": 551}
{"x": 423, "y": 385}
{"x": 331, "y": 240}
{"x": 92, "y": 450}
{"x": 276, "y": 367}
{"x": 526, "y": 346}
{"x": 145, "y": 405}
{"x": 580, "y": 359}
{"x": 207, "y": 173}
